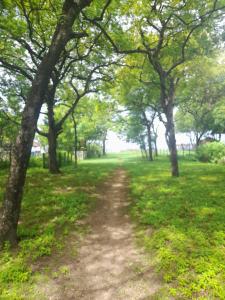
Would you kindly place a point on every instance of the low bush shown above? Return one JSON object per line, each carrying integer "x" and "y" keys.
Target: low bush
{"x": 94, "y": 150}
{"x": 4, "y": 164}
{"x": 36, "y": 162}
{"x": 211, "y": 152}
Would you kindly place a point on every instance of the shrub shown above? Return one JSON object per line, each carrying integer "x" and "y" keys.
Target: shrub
{"x": 94, "y": 150}
{"x": 36, "y": 162}
{"x": 211, "y": 152}
{"x": 4, "y": 164}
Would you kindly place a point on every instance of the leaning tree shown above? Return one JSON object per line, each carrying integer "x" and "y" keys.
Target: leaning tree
{"x": 62, "y": 34}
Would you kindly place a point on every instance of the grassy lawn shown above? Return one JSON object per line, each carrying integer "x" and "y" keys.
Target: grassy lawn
{"x": 181, "y": 222}
{"x": 52, "y": 205}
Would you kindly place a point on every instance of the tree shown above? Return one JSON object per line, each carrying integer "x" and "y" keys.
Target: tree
{"x": 10, "y": 110}
{"x": 166, "y": 35}
{"x": 140, "y": 103}
{"x": 84, "y": 77}
{"x": 201, "y": 91}
{"x": 93, "y": 118}
{"x": 219, "y": 117}
{"x": 22, "y": 148}
{"x": 134, "y": 131}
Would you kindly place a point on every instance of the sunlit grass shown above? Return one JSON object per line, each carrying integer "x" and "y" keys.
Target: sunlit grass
{"x": 187, "y": 215}
{"x": 181, "y": 221}
{"x": 51, "y": 206}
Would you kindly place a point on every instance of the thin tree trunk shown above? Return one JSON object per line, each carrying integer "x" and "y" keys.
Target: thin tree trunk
{"x": 104, "y": 144}
{"x": 167, "y": 101}
{"x": 10, "y": 153}
{"x": 156, "y": 147}
{"x": 104, "y": 147}
{"x": 143, "y": 147}
{"x": 75, "y": 140}
{"x": 150, "y": 156}
{"x": 198, "y": 138}
{"x": 146, "y": 153}
{"x": 22, "y": 148}
{"x": 155, "y": 139}
{"x": 171, "y": 140}
{"x": 52, "y": 140}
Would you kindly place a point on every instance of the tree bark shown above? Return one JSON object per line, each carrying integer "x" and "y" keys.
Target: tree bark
{"x": 155, "y": 140}
{"x": 75, "y": 140}
{"x": 150, "y": 156}
{"x": 22, "y": 148}
{"x": 103, "y": 147}
{"x": 104, "y": 144}
{"x": 52, "y": 152}
{"x": 198, "y": 138}
{"x": 146, "y": 153}
{"x": 167, "y": 86}
{"x": 54, "y": 128}
{"x": 143, "y": 147}
{"x": 156, "y": 147}
{"x": 171, "y": 139}
{"x": 52, "y": 140}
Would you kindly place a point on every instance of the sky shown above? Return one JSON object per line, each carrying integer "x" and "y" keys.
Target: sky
{"x": 116, "y": 144}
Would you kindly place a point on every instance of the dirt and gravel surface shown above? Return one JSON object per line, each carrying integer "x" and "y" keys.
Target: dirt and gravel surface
{"x": 109, "y": 265}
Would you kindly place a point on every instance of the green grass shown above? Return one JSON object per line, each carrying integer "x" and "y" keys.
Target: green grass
{"x": 181, "y": 222}
{"x": 51, "y": 206}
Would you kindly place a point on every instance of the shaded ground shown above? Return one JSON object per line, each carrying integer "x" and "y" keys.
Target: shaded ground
{"x": 109, "y": 265}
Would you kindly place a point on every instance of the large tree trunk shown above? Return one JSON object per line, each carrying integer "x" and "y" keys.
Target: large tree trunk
{"x": 150, "y": 156}
{"x": 171, "y": 140}
{"x": 22, "y": 148}
{"x": 52, "y": 152}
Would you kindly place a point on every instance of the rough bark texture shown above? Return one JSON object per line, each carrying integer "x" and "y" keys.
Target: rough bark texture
{"x": 22, "y": 148}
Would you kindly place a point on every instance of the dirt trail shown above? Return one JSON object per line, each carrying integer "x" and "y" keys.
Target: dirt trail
{"x": 109, "y": 266}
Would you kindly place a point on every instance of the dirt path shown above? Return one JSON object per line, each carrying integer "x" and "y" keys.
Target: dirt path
{"x": 109, "y": 266}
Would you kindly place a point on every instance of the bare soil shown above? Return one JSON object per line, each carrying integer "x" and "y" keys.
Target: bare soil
{"x": 109, "y": 265}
